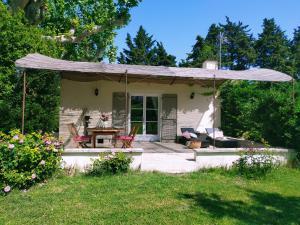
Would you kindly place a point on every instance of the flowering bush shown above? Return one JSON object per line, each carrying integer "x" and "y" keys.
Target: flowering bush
{"x": 110, "y": 164}
{"x": 27, "y": 159}
{"x": 255, "y": 163}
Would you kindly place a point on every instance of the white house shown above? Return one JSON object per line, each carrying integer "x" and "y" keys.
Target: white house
{"x": 159, "y": 100}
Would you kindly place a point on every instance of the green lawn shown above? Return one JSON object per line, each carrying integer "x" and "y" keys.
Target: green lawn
{"x": 153, "y": 198}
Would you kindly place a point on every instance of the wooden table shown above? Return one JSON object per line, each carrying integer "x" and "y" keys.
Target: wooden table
{"x": 102, "y": 131}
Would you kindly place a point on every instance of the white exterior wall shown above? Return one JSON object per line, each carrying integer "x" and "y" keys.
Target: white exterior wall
{"x": 75, "y": 96}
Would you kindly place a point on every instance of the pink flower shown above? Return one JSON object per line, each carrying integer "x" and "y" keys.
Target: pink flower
{"x": 43, "y": 162}
{"x": 11, "y": 146}
{"x": 21, "y": 141}
{"x": 48, "y": 142}
{"x": 33, "y": 176}
{"x": 16, "y": 137}
{"x": 7, "y": 189}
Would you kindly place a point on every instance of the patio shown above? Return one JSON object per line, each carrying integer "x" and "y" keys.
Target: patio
{"x": 161, "y": 147}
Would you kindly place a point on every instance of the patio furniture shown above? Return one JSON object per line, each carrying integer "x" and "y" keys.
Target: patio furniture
{"x": 218, "y": 139}
{"x": 81, "y": 141}
{"x": 103, "y": 131}
{"x": 127, "y": 139}
{"x": 189, "y": 134}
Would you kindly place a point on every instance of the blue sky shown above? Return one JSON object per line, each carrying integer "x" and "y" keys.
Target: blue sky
{"x": 177, "y": 22}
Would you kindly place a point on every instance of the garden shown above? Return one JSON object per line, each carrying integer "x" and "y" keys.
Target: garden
{"x": 37, "y": 189}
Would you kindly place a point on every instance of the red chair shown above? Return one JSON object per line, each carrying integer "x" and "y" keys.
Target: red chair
{"x": 81, "y": 141}
{"x": 127, "y": 139}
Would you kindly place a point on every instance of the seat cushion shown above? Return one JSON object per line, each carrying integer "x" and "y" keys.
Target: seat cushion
{"x": 124, "y": 137}
{"x": 82, "y": 138}
{"x": 186, "y": 135}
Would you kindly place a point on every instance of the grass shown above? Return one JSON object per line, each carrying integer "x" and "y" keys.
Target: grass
{"x": 211, "y": 197}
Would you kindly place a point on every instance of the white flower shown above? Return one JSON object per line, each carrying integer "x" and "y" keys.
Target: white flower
{"x": 43, "y": 162}
{"x": 11, "y": 146}
{"x": 33, "y": 176}
{"x": 7, "y": 189}
{"x": 21, "y": 141}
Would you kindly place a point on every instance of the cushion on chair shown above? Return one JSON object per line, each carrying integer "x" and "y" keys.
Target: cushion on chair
{"x": 193, "y": 135}
{"x": 124, "y": 137}
{"x": 82, "y": 138}
{"x": 186, "y": 135}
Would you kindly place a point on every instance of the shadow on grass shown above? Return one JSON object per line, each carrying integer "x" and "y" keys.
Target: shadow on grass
{"x": 262, "y": 208}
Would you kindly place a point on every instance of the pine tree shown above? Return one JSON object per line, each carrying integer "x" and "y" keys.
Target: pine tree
{"x": 238, "y": 52}
{"x": 143, "y": 50}
{"x": 296, "y": 50}
{"x": 200, "y": 52}
{"x": 140, "y": 50}
{"x": 212, "y": 38}
{"x": 162, "y": 58}
{"x": 273, "y": 49}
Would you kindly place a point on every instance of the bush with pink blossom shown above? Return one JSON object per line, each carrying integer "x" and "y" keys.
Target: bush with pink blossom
{"x": 27, "y": 159}
{"x": 112, "y": 163}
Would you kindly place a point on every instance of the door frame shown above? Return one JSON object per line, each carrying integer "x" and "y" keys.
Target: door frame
{"x": 146, "y": 137}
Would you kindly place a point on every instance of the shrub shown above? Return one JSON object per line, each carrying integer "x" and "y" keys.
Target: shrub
{"x": 255, "y": 163}
{"x": 27, "y": 159}
{"x": 110, "y": 164}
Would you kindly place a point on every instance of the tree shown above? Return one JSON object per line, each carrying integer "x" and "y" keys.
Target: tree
{"x": 213, "y": 38}
{"x": 143, "y": 50}
{"x": 18, "y": 38}
{"x": 272, "y": 48}
{"x": 162, "y": 58}
{"x": 201, "y": 51}
{"x": 296, "y": 51}
{"x": 86, "y": 28}
{"x": 238, "y": 53}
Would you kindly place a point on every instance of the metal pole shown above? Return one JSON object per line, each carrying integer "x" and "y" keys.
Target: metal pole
{"x": 220, "y": 50}
{"x": 126, "y": 103}
{"x": 214, "y": 111}
{"x": 24, "y": 99}
{"x": 293, "y": 91}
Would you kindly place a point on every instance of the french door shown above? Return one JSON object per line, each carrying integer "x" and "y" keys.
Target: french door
{"x": 144, "y": 113}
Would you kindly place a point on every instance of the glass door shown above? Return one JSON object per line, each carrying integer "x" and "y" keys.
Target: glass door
{"x": 144, "y": 114}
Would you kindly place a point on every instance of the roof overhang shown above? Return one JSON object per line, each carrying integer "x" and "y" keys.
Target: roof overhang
{"x": 90, "y": 71}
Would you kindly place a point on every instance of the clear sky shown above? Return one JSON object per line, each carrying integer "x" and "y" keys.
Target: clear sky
{"x": 177, "y": 22}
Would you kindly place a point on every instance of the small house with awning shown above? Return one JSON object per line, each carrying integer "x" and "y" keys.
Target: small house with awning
{"x": 159, "y": 100}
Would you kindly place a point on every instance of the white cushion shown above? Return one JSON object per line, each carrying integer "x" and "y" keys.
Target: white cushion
{"x": 218, "y": 132}
{"x": 193, "y": 135}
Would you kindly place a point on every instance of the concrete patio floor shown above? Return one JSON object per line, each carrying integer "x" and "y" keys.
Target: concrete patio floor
{"x": 166, "y": 157}
{"x": 160, "y": 147}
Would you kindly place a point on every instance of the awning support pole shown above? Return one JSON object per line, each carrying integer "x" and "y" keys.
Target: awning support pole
{"x": 24, "y": 99}
{"x": 214, "y": 111}
{"x": 293, "y": 91}
{"x": 126, "y": 102}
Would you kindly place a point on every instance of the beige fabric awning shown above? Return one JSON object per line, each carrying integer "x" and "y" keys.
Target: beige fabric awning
{"x": 88, "y": 71}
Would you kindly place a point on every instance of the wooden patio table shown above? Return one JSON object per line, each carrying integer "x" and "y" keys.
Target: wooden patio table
{"x": 102, "y": 131}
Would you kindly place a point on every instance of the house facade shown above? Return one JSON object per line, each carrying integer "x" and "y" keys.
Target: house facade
{"x": 159, "y": 110}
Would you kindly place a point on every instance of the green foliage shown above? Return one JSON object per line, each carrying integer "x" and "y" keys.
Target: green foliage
{"x": 84, "y": 17}
{"x": 143, "y": 50}
{"x": 238, "y": 48}
{"x": 260, "y": 111}
{"x": 201, "y": 51}
{"x": 162, "y": 58}
{"x": 273, "y": 49}
{"x": 18, "y": 38}
{"x": 113, "y": 163}
{"x": 27, "y": 159}
{"x": 255, "y": 164}
{"x": 296, "y": 51}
